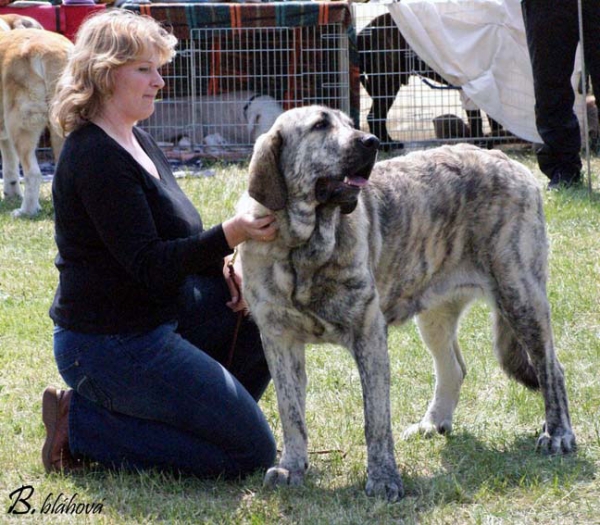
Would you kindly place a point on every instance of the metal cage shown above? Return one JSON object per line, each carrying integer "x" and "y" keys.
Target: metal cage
{"x": 227, "y": 85}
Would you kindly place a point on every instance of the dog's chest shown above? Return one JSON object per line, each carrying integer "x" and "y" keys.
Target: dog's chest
{"x": 313, "y": 306}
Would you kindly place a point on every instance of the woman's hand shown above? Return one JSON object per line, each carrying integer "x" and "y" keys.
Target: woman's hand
{"x": 244, "y": 226}
{"x": 234, "y": 283}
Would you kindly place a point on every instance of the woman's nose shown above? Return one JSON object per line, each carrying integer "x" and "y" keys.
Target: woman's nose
{"x": 158, "y": 80}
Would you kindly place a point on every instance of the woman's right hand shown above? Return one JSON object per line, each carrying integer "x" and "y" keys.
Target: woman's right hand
{"x": 244, "y": 226}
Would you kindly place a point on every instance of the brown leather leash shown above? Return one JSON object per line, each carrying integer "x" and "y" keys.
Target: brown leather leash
{"x": 238, "y": 323}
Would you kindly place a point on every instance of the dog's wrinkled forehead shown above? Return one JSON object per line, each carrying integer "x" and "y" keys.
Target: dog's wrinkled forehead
{"x": 307, "y": 119}
{"x": 314, "y": 136}
{"x": 326, "y": 116}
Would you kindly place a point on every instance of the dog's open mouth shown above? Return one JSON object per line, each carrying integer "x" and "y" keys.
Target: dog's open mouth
{"x": 343, "y": 193}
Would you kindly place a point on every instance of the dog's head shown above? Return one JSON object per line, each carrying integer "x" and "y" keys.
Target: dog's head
{"x": 312, "y": 156}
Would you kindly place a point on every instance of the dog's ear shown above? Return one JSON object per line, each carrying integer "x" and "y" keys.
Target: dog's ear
{"x": 266, "y": 184}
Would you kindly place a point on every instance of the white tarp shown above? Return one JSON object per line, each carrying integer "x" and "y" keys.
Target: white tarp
{"x": 479, "y": 45}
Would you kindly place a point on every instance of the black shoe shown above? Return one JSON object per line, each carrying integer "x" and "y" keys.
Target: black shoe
{"x": 564, "y": 179}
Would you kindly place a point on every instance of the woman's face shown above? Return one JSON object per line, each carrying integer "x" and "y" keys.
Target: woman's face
{"x": 135, "y": 87}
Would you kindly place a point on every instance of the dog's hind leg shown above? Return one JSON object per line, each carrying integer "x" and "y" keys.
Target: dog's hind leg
{"x": 10, "y": 169}
{"x": 370, "y": 352}
{"x": 25, "y": 128}
{"x": 287, "y": 366}
{"x": 33, "y": 178}
{"x": 57, "y": 142}
{"x": 438, "y": 327}
{"x": 526, "y": 313}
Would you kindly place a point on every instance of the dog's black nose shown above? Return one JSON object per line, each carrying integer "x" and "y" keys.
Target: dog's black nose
{"x": 369, "y": 141}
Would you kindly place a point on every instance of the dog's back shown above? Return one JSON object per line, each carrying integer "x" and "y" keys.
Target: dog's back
{"x": 458, "y": 209}
{"x": 15, "y": 21}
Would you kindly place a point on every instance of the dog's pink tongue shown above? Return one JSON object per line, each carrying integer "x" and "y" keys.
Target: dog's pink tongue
{"x": 359, "y": 182}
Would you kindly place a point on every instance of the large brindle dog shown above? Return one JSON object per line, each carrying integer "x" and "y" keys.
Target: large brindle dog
{"x": 364, "y": 245}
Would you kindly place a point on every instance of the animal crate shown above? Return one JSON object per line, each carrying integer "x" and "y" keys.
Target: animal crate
{"x": 227, "y": 85}
{"x": 402, "y": 99}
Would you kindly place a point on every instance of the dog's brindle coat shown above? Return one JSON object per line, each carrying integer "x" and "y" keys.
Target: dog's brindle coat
{"x": 429, "y": 233}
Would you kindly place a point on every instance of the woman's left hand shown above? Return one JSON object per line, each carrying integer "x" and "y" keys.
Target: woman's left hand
{"x": 234, "y": 283}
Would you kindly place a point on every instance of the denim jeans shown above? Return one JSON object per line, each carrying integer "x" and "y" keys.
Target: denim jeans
{"x": 161, "y": 400}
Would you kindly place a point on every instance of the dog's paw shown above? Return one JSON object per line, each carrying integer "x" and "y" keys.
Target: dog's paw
{"x": 562, "y": 441}
{"x": 280, "y": 476}
{"x": 22, "y": 213}
{"x": 388, "y": 487}
{"x": 427, "y": 429}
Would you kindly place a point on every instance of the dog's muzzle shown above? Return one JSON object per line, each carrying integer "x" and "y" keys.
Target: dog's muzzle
{"x": 344, "y": 193}
{"x": 339, "y": 193}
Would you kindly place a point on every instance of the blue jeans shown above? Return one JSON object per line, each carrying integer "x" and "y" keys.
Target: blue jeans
{"x": 159, "y": 400}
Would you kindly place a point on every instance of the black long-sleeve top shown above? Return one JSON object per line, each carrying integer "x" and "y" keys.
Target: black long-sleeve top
{"x": 126, "y": 240}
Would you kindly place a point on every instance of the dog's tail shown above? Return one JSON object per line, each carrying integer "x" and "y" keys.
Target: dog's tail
{"x": 512, "y": 355}
{"x": 48, "y": 55}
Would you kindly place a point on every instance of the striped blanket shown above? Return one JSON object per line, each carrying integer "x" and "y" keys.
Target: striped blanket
{"x": 185, "y": 16}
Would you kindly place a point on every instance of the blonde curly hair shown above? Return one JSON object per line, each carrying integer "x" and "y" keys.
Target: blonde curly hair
{"x": 104, "y": 42}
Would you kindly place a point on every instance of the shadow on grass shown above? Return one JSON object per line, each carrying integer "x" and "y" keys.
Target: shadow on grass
{"x": 473, "y": 467}
{"x": 472, "y": 471}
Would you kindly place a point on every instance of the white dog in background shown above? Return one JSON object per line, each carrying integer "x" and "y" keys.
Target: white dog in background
{"x": 239, "y": 118}
{"x": 31, "y": 60}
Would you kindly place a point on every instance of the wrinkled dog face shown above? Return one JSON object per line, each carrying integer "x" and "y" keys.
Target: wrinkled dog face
{"x": 312, "y": 155}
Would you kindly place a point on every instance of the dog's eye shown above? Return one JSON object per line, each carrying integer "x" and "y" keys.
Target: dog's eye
{"x": 321, "y": 124}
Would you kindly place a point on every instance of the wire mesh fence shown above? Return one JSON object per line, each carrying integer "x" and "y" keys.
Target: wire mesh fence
{"x": 228, "y": 85}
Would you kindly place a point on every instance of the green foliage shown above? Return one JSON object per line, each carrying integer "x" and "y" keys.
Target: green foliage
{"x": 486, "y": 472}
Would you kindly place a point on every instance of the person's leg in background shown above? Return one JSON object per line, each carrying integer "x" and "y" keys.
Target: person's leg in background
{"x": 591, "y": 39}
{"x": 552, "y": 38}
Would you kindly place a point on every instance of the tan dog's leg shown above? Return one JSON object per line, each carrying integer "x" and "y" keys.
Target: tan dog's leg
{"x": 10, "y": 170}
{"x": 24, "y": 129}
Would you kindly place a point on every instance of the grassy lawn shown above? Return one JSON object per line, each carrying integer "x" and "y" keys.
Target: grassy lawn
{"x": 486, "y": 472}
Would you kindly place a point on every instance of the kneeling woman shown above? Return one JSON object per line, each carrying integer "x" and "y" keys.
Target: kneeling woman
{"x": 144, "y": 316}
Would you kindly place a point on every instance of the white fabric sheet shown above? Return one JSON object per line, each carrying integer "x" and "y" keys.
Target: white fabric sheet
{"x": 479, "y": 45}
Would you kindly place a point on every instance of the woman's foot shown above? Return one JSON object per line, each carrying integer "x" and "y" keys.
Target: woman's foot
{"x": 56, "y": 455}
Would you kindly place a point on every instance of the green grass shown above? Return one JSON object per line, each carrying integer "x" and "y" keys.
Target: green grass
{"x": 486, "y": 472}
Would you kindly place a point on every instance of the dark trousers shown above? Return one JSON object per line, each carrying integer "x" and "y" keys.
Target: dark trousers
{"x": 161, "y": 399}
{"x": 552, "y": 28}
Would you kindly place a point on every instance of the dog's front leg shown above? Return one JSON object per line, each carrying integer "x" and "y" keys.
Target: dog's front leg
{"x": 371, "y": 355}
{"x": 287, "y": 366}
